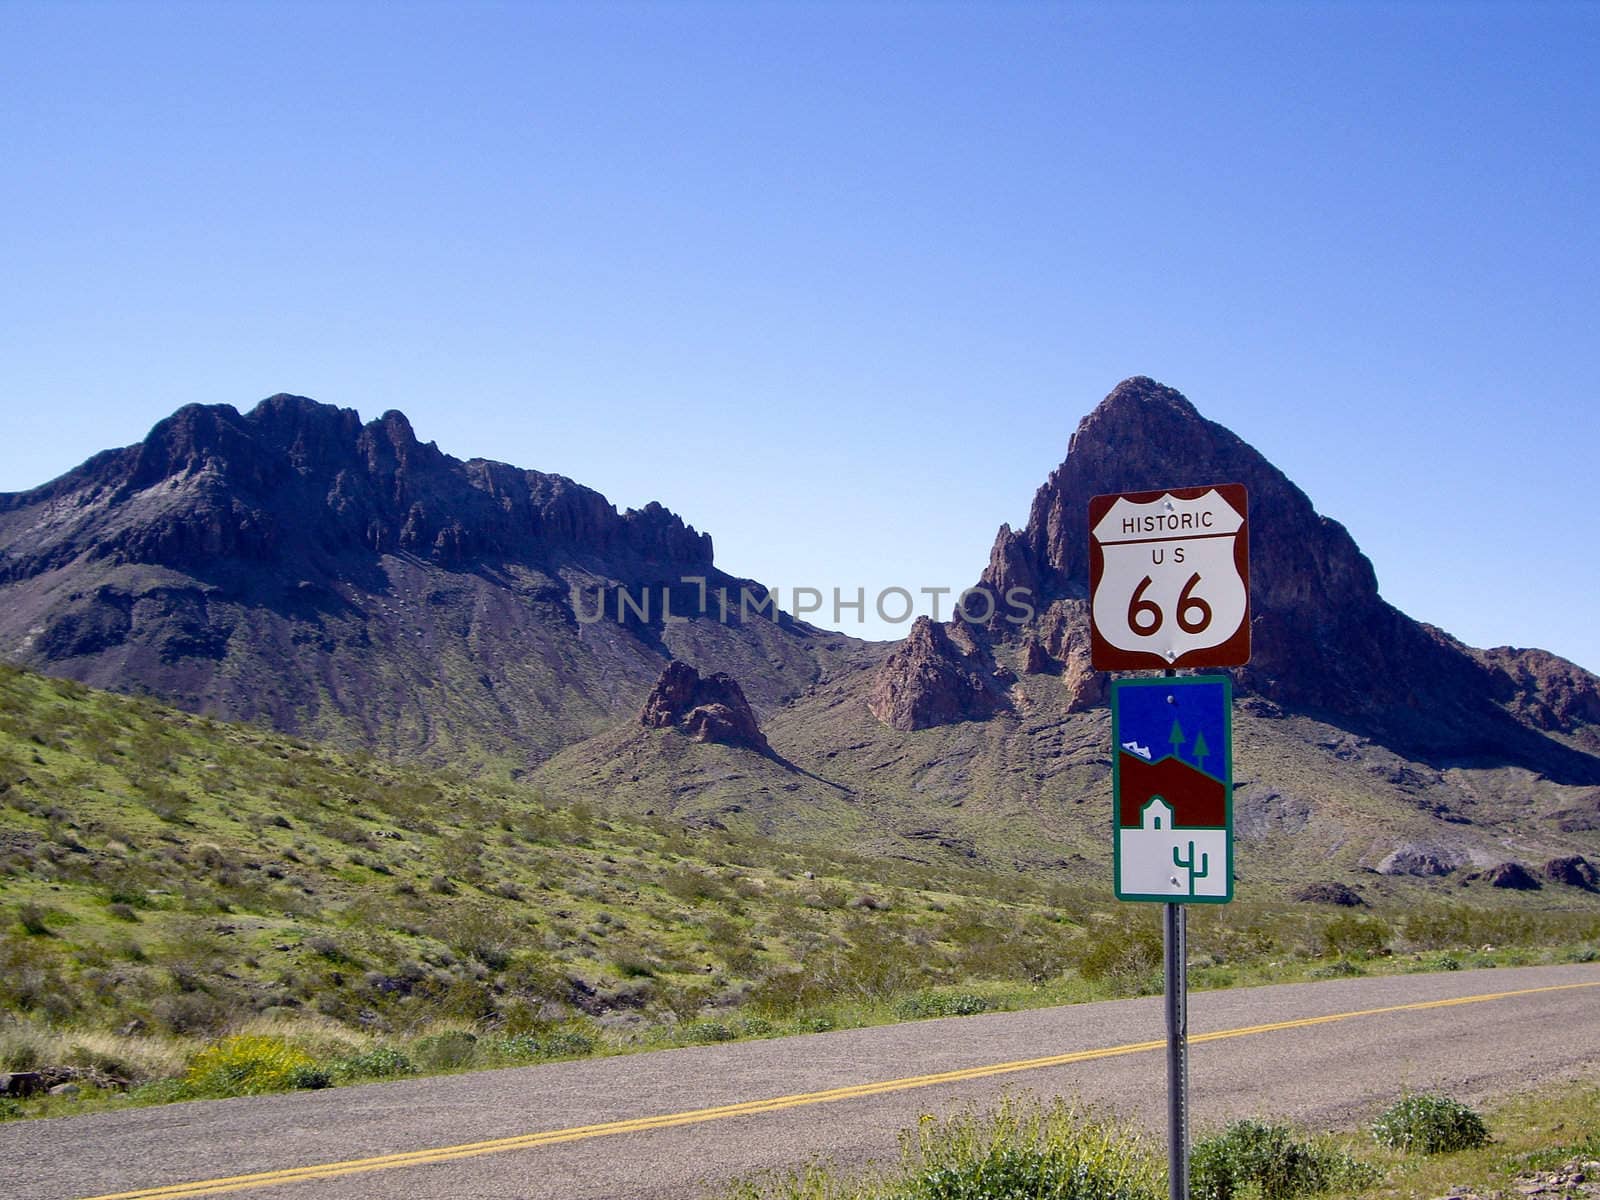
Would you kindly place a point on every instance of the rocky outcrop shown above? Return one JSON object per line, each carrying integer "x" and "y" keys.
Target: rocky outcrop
{"x": 1511, "y": 875}
{"x": 1416, "y": 860}
{"x": 708, "y": 709}
{"x": 1330, "y": 893}
{"x": 1036, "y": 659}
{"x": 931, "y": 680}
{"x": 1574, "y": 1179}
{"x": 1546, "y": 691}
{"x": 1574, "y": 871}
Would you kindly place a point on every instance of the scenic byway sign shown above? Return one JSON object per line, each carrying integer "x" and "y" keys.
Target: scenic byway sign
{"x": 1169, "y": 579}
{"x": 1172, "y": 783}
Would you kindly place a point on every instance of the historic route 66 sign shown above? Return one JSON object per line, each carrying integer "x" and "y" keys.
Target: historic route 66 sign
{"x": 1169, "y": 579}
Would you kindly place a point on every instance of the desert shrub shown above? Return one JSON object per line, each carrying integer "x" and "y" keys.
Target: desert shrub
{"x": 311, "y": 1077}
{"x": 877, "y": 964}
{"x": 1359, "y": 937}
{"x": 566, "y": 1043}
{"x": 448, "y": 1051}
{"x": 1430, "y": 1124}
{"x": 479, "y": 930}
{"x": 31, "y": 979}
{"x": 939, "y": 1004}
{"x": 633, "y": 965}
{"x": 707, "y": 1031}
{"x": 247, "y": 1065}
{"x": 23, "y": 1047}
{"x": 1052, "y": 1152}
{"x": 511, "y": 1048}
{"x": 33, "y": 919}
{"x": 1124, "y": 950}
{"x": 381, "y": 1062}
{"x": 326, "y": 947}
{"x": 1438, "y": 928}
{"x": 190, "y": 1012}
{"x": 527, "y": 1047}
{"x": 691, "y": 886}
{"x": 1270, "y": 1159}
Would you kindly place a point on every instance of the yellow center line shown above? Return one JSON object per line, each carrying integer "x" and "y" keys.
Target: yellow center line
{"x": 528, "y": 1141}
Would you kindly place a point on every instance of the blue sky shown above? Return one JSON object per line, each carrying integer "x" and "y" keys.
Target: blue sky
{"x": 1146, "y": 710}
{"x": 836, "y": 282}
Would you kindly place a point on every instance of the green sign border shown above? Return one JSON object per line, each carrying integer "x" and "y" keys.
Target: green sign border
{"x": 1116, "y": 785}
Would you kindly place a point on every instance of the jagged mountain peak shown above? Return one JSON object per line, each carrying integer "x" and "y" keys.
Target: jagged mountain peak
{"x": 297, "y": 564}
{"x": 293, "y": 480}
{"x": 1324, "y": 641}
{"x": 1143, "y": 436}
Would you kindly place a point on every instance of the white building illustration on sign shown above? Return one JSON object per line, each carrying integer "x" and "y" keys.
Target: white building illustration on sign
{"x": 1158, "y": 859}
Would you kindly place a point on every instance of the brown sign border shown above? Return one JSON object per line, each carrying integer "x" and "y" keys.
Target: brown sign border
{"x": 1235, "y": 652}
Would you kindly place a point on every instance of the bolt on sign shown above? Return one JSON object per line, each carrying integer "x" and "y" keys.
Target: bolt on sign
{"x": 1172, "y": 788}
{"x": 1169, "y": 579}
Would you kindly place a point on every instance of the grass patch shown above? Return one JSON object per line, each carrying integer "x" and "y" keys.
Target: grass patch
{"x": 358, "y": 908}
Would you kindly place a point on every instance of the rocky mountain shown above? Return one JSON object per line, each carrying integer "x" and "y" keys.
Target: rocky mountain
{"x": 295, "y": 566}
{"x": 1325, "y": 643}
{"x": 1373, "y": 752}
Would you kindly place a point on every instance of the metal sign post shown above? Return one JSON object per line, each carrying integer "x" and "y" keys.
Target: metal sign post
{"x": 1169, "y": 586}
{"x": 1176, "y": 953}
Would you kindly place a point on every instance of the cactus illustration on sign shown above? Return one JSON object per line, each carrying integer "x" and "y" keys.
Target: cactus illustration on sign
{"x": 1195, "y": 872}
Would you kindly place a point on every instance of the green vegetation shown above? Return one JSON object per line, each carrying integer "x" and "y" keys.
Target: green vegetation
{"x": 168, "y": 882}
{"x": 1271, "y": 1162}
{"x": 1026, "y": 1147}
{"x": 1536, "y": 1132}
{"x": 1021, "y": 1148}
{"x": 1430, "y": 1124}
{"x": 248, "y": 1064}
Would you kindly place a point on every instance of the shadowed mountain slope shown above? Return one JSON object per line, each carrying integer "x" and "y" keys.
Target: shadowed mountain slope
{"x": 295, "y": 566}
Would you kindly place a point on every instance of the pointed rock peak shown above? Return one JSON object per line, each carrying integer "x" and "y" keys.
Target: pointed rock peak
{"x": 1141, "y": 408}
{"x": 930, "y": 680}
{"x": 1144, "y": 392}
{"x": 712, "y": 708}
{"x": 397, "y": 427}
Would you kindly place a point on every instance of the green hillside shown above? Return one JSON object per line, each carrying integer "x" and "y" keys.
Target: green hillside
{"x": 166, "y": 881}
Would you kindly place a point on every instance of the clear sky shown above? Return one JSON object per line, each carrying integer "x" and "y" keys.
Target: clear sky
{"x": 837, "y": 281}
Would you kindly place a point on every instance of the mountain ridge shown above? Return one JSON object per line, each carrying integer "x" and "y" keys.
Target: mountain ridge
{"x": 296, "y": 566}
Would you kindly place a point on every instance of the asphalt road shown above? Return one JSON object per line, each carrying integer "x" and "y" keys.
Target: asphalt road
{"x": 660, "y": 1125}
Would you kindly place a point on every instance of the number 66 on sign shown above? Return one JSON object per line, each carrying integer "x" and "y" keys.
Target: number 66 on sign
{"x": 1169, "y": 578}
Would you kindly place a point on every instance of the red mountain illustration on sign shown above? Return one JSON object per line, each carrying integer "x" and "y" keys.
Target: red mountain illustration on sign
{"x": 1196, "y": 798}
